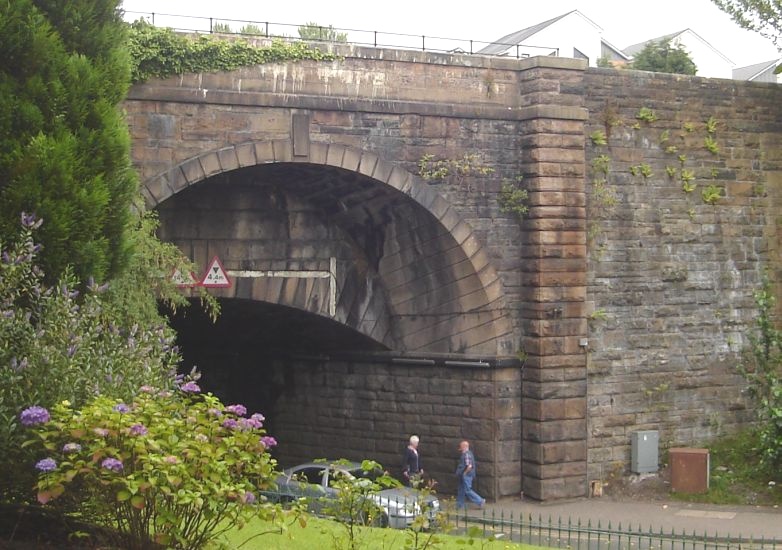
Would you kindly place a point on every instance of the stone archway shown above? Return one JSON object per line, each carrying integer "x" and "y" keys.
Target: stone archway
{"x": 428, "y": 284}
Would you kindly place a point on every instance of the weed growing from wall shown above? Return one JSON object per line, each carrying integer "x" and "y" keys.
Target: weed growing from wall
{"x": 513, "y": 198}
{"x": 604, "y": 200}
{"x": 453, "y": 170}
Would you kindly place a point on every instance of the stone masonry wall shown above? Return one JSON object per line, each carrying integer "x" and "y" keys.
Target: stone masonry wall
{"x": 670, "y": 276}
{"x": 630, "y": 297}
{"x": 518, "y": 116}
{"x": 361, "y": 409}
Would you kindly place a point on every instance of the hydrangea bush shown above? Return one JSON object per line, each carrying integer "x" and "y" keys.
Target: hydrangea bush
{"x": 177, "y": 468}
{"x": 61, "y": 343}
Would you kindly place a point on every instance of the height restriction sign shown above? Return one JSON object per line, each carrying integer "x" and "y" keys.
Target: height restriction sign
{"x": 215, "y": 276}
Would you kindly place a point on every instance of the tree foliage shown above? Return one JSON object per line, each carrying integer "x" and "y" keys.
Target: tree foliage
{"x": 761, "y": 16}
{"x": 313, "y": 31}
{"x": 64, "y": 143}
{"x": 664, "y": 57}
{"x": 252, "y": 29}
{"x": 222, "y": 28}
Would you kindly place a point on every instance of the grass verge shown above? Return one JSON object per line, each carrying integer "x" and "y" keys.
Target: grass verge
{"x": 323, "y": 534}
{"x": 737, "y": 476}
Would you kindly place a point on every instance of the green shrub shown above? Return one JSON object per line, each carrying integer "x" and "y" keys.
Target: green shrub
{"x": 513, "y": 198}
{"x": 762, "y": 368}
{"x": 173, "y": 467}
{"x": 64, "y": 141}
{"x": 59, "y": 344}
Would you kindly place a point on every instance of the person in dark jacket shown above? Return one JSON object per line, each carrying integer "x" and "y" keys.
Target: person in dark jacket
{"x": 412, "y": 471}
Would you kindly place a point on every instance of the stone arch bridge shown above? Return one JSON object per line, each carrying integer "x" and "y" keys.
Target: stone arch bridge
{"x": 369, "y": 303}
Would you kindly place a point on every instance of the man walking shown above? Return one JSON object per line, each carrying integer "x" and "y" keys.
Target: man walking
{"x": 465, "y": 473}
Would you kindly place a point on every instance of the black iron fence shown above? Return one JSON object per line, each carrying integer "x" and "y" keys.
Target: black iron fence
{"x": 359, "y": 37}
{"x": 551, "y": 532}
{"x": 578, "y": 535}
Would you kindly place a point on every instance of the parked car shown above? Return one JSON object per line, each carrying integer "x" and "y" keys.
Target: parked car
{"x": 398, "y": 506}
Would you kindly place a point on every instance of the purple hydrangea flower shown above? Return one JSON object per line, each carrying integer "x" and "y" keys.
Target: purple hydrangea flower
{"x": 112, "y": 464}
{"x": 121, "y": 408}
{"x": 138, "y": 429}
{"x": 190, "y": 387}
{"x": 69, "y": 448}
{"x": 249, "y": 497}
{"x": 249, "y": 423}
{"x": 34, "y": 415}
{"x": 268, "y": 441}
{"x": 238, "y": 410}
{"x": 230, "y": 423}
{"x": 46, "y": 465}
{"x": 100, "y": 432}
{"x": 31, "y": 221}
{"x": 215, "y": 412}
{"x": 259, "y": 417}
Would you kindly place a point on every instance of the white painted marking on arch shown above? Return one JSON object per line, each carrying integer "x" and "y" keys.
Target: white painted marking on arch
{"x": 331, "y": 275}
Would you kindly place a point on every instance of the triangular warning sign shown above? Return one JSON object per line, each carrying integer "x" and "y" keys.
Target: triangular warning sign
{"x": 215, "y": 276}
{"x": 184, "y": 280}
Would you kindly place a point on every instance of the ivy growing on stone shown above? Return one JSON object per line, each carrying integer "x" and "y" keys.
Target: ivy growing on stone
{"x": 160, "y": 52}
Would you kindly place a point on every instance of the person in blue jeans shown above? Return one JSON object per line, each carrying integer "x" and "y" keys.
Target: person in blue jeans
{"x": 465, "y": 473}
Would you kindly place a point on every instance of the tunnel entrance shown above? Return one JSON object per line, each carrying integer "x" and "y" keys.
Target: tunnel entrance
{"x": 243, "y": 355}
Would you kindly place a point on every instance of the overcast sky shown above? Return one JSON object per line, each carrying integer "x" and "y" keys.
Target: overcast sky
{"x": 624, "y": 22}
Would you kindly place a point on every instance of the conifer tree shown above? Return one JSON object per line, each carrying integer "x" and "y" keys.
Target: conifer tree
{"x": 64, "y": 144}
{"x": 664, "y": 57}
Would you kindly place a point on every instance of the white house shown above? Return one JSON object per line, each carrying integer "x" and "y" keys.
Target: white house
{"x": 709, "y": 61}
{"x": 569, "y": 35}
{"x": 759, "y": 72}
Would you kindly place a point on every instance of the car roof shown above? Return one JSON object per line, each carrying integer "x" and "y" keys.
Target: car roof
{"x": 338, "y": 464}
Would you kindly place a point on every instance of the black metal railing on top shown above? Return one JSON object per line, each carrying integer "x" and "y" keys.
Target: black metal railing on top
{"x": 376, "y": 39}
{"x": 579, "y": 535}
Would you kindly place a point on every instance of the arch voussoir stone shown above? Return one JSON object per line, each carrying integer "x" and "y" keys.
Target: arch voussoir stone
{"x": 264, "y": 152}
{"x": 351, "y": 160}
{"x": 228, "y": 159}
{"x": 335, "y": 155}
{"x": 157, "y": 189}
{"x": 318, "y": 154}
{"x": 210, "y": 166}
{"x": 283, "y": 151}
{"x": 178, "y": 178}
{"x": 367, "y": 164}
{"x": 245, "y": 155}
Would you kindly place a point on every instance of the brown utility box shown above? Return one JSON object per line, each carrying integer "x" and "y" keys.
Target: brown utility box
{"x": 689, "y": 470}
